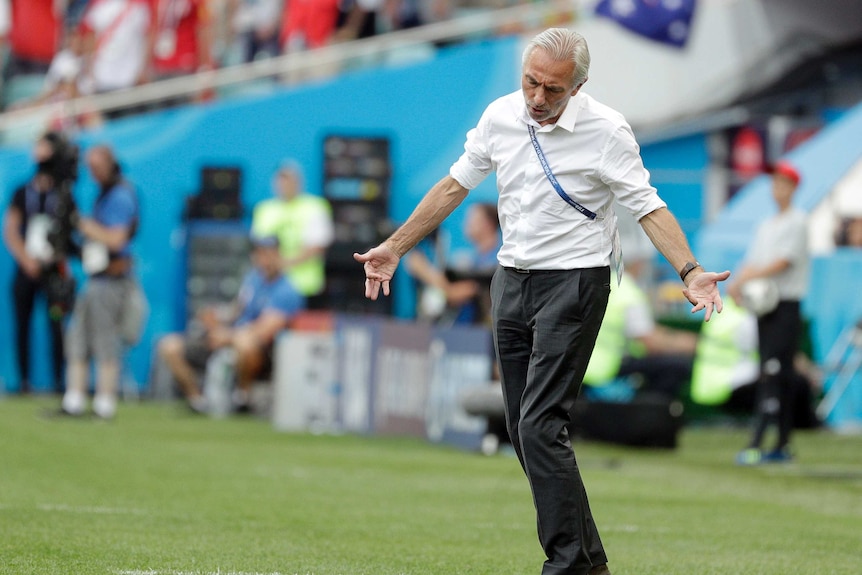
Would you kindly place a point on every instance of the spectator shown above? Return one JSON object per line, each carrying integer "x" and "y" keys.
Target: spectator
{"x": 34, "y": 37}
{"x": 64, "y": 83}
{"x": 303, "y": 224}
{"x": 117, "y": 35}
{"x": 95, "y": 330}
{"x": 726, "y": 368}
{"x": 75, "y": 10}
{"x": 631, "y": 343}
{"x": 34, "y": 211}
{"x": 182, "y": 38}
{"x": 357, "y": 19}
{"x": 265, "y": 305}
{"x": 551, "y": 144}
{"x": 850, "y": 233}
{"x": 779, "y": 253}
{"x": 456, "y": 300}
{"x": 308, "y": 24}
{"x": 256, "y": 24}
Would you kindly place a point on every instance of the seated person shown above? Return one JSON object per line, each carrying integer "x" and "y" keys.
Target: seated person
{"x": 850, "y": 233}
{"x": 631, "y": 343}
{"x": 265, "y": 305}
{"x": 458, "y": 296}
{"x": 727, "y": 368}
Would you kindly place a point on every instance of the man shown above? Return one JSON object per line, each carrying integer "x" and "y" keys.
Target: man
{"x": 33, "y": 212}
{"x": 457, "y": 300}
{"x": 550, "y": 291}
{"x": 116, "y": 34}
{"x": 95, "y": 329}
{"x": 265, "y": 305}
{"x": 303, "y": 224}
{"x": 780, "y": 254}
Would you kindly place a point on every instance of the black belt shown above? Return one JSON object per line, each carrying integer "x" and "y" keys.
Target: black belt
{"x": 523, "y": 271}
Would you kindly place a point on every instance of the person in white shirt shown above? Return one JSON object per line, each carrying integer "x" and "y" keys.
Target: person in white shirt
{"x": 551, "y": 288}
{"x": 779, "y": 253}
{"x": 117, "y": 32}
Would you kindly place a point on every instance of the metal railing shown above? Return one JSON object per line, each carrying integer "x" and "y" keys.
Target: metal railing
{"x": 291, "y": 68}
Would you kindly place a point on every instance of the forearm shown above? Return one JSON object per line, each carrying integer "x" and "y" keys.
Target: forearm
{"x": 438, "y": 203}
{"x": 667, "y": 236}
{"x": 114, "y": 238}
{"x": 420, "y": 268}
{"x": 14, "y": 244}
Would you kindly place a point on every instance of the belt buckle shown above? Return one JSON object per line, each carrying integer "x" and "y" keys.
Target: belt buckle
{"x": 521, "y": 271}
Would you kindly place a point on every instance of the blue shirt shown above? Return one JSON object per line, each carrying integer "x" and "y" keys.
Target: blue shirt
{"x": 118, "y": 207}
{"x": 257, "y": 295}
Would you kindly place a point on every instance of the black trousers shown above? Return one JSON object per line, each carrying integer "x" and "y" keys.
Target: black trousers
{"x": 778, "y": 341}
{"x": 24, "y": 292}
{"x": 545, "y": 325}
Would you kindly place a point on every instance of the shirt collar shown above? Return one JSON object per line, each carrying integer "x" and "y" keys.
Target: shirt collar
{"x": 567, "y": 119}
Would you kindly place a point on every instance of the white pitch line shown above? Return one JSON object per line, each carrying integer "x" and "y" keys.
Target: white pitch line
{"x": 90, "y": 509}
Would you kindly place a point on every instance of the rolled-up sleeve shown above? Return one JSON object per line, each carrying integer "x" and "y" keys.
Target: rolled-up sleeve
{"x": 475, "y": 164}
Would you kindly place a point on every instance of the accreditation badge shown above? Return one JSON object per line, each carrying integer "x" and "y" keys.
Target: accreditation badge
{"x": 36, "y": 242}
{"x": 94, "y": 257}
{"x": 617, "y": 256}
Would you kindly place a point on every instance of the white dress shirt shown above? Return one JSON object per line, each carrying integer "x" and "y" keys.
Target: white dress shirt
{"x": 593, "y": 154}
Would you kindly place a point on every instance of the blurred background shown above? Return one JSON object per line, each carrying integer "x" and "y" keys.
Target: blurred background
{"x": 715, "y": 90}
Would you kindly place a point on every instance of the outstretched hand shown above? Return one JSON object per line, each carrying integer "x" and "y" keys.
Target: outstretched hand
{"x": 379, "y": 264}
{"x": 703, "y": 292}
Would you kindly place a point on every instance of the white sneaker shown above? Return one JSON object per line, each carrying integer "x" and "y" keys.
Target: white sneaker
{"x": 105, "y": 406}
{"x": 74, "y": 402}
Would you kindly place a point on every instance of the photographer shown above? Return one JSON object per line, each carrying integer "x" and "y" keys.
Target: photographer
{"x": 97, "y": 329}
{"x": 32, "y": 232}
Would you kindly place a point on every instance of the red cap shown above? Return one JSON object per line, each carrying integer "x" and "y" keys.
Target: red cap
{"x": 787, "y": 170}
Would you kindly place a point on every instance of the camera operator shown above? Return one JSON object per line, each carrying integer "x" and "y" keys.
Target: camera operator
{"x": 37, "y": 213}
{"x": 97, "y": 329}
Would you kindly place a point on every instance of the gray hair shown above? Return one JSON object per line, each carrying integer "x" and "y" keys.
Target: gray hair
{"x": 563, "y": 44}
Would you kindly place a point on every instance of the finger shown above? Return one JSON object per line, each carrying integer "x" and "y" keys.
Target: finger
{"x": 708, "y": 313}
{"x": 719, "y": 305}
{"x": 361, "y": 257}
{"x": 386, "y": 288}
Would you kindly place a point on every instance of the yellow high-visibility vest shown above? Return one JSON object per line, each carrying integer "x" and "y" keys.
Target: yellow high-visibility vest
{"x": 287, "y": 220}
{"x": 718, "y": 355}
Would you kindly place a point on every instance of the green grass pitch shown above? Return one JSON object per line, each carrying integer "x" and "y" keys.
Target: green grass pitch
{"x": 160, "y": 492}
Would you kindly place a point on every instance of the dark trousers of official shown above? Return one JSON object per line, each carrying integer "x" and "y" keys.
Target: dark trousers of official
{"x": 24, "y": 292}
{"x": 778, "y": 340}
{"x": 545, "y": 325}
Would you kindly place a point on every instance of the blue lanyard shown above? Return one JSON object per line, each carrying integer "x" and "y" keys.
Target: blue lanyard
{"x": 553, "y": 179}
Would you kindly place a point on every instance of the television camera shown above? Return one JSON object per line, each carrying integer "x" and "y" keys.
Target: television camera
{"x": 58, "y": 158}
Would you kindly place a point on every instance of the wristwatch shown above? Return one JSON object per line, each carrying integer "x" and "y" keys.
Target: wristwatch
{"x": 686, "y": 269}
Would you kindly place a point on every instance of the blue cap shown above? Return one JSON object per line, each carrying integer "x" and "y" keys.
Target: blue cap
{"x": 264, "y": 241}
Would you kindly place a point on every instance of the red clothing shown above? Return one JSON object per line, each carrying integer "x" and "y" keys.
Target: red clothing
{"x": 311, "y": 21}
{"x": 36, "y": 29}
{"x": 176, "y": 49}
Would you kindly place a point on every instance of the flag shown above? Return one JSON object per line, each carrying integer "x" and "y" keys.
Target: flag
{"x": 666, "y": 21}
